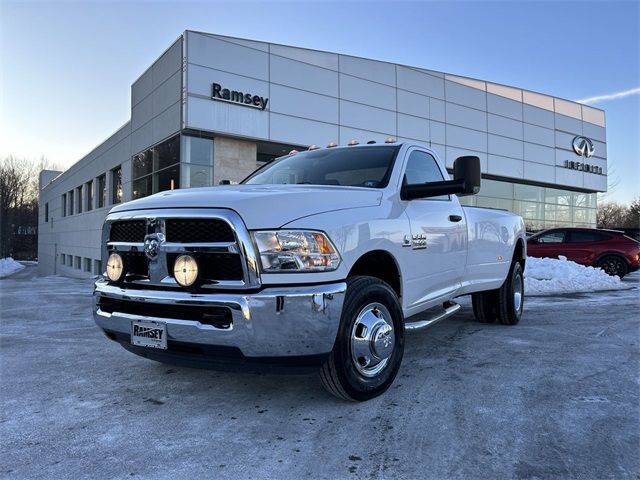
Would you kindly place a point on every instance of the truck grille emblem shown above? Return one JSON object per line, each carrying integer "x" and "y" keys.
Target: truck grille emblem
{"x": 152, "y": 245}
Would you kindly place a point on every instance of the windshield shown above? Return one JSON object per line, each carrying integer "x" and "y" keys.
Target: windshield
{"x": 354, "y": 167}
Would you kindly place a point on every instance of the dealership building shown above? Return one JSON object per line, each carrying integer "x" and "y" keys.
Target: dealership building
{"x": 213, "y": 108}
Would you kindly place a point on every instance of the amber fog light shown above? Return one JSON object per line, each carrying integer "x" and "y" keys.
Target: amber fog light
{"x": 185, "y": 270}
{"x": 115, "y": 267}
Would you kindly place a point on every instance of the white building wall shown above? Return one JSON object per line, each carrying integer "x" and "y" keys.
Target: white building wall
{"x": 319, "y": 97}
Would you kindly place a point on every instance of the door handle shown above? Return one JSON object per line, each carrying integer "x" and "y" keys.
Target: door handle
{"x": 455, "y": 218}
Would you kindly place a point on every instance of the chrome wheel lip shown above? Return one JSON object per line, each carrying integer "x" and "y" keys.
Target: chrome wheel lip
{"x": 518, "y": 293}
{"x": 372, "y": 339}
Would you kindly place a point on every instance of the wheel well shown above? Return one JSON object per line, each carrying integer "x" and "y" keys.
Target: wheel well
{"x": 612, "y": 254}
{"x": 518, "y": 253}
{"x": 378, "y": 264}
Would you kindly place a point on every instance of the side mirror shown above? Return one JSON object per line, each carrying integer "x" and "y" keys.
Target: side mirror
{"x": 466, "y": 181}
{"x": 467, "y": 171}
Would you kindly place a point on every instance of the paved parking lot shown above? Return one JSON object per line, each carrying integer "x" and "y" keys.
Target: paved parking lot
{"x": 554, "y": 397}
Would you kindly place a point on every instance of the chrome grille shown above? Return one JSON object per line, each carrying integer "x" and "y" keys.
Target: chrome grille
{"x": 217, "y": 239}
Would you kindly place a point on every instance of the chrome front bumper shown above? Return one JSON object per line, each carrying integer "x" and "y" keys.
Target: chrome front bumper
{"x": 275, "y": 322}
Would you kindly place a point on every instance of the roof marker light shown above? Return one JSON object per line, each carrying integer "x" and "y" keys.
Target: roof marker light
{"x": 389, "y": 140}
{"x": 353, "y": 142}
{"x": 293, "y": 152}
{"x": 332, "y": 144}
{"x": 314, "y": 147}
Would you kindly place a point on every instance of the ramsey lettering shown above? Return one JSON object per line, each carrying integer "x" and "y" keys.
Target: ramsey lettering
{"x": 236, "y": 96}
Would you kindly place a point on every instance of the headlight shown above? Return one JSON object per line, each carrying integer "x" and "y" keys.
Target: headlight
{"x": 185, "y": 270}
{"x": 115, "y": 267}
{"x": 291, "y": 251}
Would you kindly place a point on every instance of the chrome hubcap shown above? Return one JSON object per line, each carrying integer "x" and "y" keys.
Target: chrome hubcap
{"x": 372, "y": 340}
{"x": 517, "y": 293}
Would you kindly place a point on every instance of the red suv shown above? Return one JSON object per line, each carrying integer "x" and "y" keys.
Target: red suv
{"x": 610, "y": 250}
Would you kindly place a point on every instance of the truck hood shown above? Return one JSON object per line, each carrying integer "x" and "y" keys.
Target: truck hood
{"x": 262, "y": 206}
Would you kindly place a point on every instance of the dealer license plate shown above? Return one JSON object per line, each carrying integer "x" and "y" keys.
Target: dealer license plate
{"x": 149, "y": 333}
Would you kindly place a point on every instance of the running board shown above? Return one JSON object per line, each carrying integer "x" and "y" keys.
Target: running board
{"x": 420, "y": 324}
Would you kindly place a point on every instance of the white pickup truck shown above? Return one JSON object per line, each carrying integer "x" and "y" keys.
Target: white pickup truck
{"x": 320, "y": 259}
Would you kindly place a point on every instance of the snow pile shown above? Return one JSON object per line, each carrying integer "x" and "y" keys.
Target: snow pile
{"x": 548, "y": 276}
{"x": 8, "y": 266}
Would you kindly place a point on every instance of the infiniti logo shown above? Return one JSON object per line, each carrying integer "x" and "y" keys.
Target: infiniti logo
{"x": 152, "y": 245}
{"x": 583, "y": 146}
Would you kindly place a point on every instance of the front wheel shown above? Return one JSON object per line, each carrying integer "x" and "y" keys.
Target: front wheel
{"x": 613, "y": 265}
{"x": 370, "y": 343}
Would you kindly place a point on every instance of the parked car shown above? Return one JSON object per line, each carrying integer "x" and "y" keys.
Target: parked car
{"x": 320, "y": 259}
{"x": 610, "y": 250}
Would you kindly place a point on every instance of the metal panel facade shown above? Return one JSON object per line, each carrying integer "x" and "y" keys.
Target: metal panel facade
{"x": 313, "y": 95}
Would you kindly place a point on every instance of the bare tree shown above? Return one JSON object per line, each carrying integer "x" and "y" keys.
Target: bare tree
{"x": 632, "y": 219}
{"x": 611, "y": 215}
{"x": 18, "y": 196}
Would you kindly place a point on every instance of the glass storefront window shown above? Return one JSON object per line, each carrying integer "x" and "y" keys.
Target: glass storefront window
{"x": 156, "y": 169}
{"x": 197, "y": 150}
{"x": 540, "y": 207}
{"x": 558, "y": 197}
{"x": 495, "y": 189}
{"x": 142, "y": 187}
{"x": 531, "y": 193}
{"x": 196, "y": 176}
{"x": 529, "y": 210}
{"x": 500, "y": 203}
{"x": 167, "y": 153}
{"x": 142, "y": 164}
{"x": 585, "y": 200}
{"x": 167, "y": 179}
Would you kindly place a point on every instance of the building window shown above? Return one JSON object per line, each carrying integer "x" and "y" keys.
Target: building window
{"x": 116, "y": 185}
{"x": 102, "y": 191}
{"x": 78, "y": 262}
{"x": 46, "y": 212}
{"x": 197, "y": 162}
{"x": 89, "y": 188}
{"x": 156, "y": 169}
{"x": 79, "y": 199}
{"x": 63, "y": 259}
{"x": 70, "y": 195}
{"x": 69, "y": 261}
{"x": 64, "y": 204}
{"x": 97, "y": 267}
{"x": 87, "y": 265}
{"x": 540, "y": 207}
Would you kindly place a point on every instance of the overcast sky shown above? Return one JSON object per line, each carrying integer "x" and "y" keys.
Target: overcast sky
{"x": 67, "y": 68}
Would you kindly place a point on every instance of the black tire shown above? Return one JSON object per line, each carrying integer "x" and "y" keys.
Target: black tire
{"x": 509, "y": 307}
{"x": 613, "y": 265}
{"x": 484, "y": 306}
{"x": 339, "y": 375}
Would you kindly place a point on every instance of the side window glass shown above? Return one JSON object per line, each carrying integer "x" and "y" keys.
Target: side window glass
{"x": 423, "y": 168}
{"x": 552, "y": 237}
{"x": 583, "y": 237}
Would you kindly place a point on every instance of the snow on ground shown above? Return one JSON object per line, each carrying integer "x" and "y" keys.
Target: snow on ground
{"x": 549, "y": 276}
{"x": 8, "y": 266}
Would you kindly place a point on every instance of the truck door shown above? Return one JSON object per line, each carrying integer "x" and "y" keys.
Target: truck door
{"x": 437, "y": 247}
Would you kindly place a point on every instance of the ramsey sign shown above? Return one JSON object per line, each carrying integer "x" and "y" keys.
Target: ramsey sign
{"x": 235, "y": 96}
